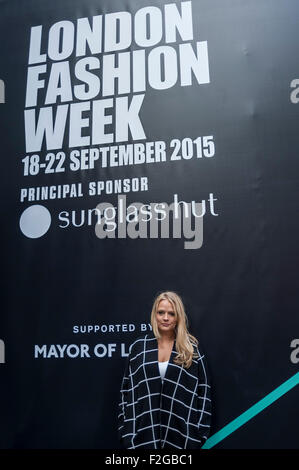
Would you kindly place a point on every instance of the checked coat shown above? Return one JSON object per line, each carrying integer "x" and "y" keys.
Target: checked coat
{"x": 156, "y": 414}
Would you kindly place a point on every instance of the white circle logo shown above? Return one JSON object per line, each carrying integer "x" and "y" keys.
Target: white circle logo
{"x": 35, "y": 221}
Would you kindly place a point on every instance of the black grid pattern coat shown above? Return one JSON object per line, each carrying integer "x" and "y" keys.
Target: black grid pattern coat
{"x": 156, "y": 414}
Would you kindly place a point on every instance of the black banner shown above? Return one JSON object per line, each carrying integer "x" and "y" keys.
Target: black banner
{"x": 147, "y": 146}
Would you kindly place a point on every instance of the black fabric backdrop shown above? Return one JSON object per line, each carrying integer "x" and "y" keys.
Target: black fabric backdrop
{"x": 240, "y": 288}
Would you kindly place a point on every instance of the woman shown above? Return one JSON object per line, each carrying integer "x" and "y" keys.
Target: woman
{"x": 165, "y": 393}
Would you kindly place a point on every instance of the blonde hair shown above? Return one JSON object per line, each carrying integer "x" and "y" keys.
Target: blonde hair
{"x": 185, "y": 342}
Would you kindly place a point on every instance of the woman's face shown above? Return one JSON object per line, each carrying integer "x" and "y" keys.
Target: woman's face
{"x": 166, "y": 317}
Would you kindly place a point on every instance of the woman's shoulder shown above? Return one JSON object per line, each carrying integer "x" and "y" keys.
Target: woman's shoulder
{"x": 200, "y": 355}
{"x": 197, "y": 348}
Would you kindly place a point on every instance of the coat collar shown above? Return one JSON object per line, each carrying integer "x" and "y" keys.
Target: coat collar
{"x": 151, "y": 348}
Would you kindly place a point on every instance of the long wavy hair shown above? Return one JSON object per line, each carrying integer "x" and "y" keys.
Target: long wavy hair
{"x": 185, "y": 342}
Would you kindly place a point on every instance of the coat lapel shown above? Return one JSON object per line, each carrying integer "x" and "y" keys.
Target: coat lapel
{"x": 152, "y": 358}
{"x": 172, "y": 371}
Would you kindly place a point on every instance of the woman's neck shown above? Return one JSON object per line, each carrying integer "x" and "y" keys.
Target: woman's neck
{"x": 166, "y": 338}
